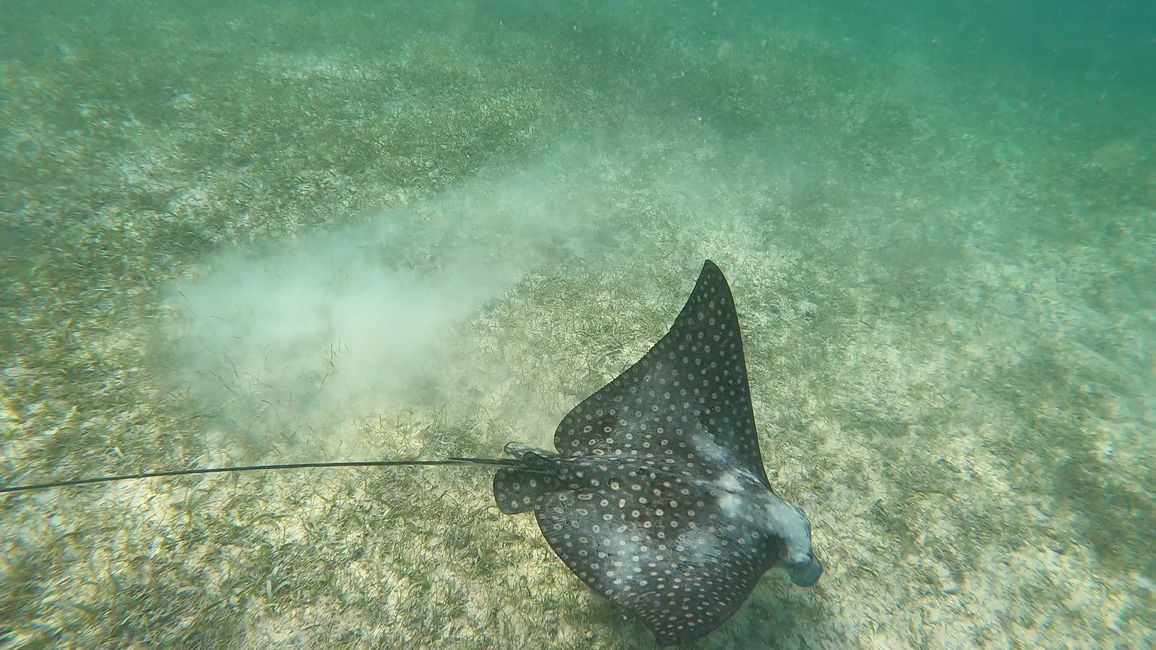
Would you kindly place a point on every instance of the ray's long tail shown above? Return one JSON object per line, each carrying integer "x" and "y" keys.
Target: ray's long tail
{"x": 485, "y": 462}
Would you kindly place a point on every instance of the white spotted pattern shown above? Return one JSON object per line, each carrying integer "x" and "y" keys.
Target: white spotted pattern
{"x": 657, "y": 497}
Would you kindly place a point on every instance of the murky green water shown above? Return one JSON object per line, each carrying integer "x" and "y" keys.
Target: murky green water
{"x": 267, "y": 232}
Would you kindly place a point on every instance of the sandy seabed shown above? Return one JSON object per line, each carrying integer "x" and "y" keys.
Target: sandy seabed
{"x": 287, "y": 233}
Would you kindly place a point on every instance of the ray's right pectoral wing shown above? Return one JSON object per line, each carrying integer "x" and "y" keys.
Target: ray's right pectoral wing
{"x": 693, "y": 379}
{"x": 676, "y": 569}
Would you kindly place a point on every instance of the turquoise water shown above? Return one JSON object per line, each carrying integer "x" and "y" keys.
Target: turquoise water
{"x": 265, "y": 232}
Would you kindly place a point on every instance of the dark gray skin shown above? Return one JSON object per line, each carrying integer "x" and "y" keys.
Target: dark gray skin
{"x": 657, "y": 497}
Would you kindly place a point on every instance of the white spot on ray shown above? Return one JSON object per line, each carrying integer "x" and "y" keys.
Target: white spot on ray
{"x": 699, "y": 543}
{"x": 705, "y": 445}
{"x": 732, "y": 505}
{"x": 729, "y": 481}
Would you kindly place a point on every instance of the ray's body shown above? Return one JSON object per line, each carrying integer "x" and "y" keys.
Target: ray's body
{"x": 657, "y": 497}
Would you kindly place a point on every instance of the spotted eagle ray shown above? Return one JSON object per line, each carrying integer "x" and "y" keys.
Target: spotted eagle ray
{"x": 656, "y": 496}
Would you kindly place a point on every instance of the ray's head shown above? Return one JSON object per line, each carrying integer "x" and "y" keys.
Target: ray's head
{"x": 743, "y": 498}
{"x": 799, "y": 561}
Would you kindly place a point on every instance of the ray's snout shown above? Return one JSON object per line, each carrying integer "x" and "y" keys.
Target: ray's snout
{"x": 807, "y": 573}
